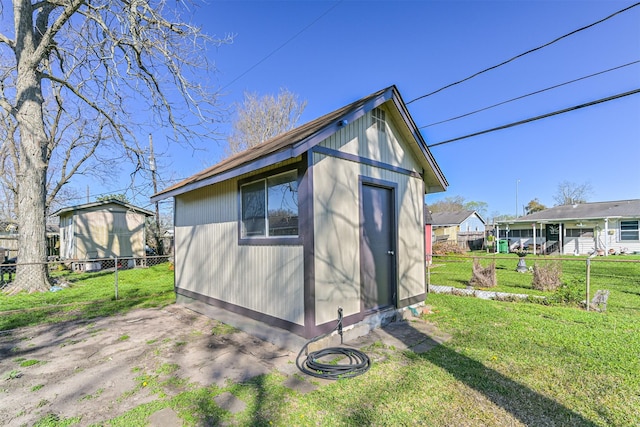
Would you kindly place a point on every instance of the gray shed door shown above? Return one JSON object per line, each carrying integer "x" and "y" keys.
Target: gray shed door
{"x": 377, "y": 247}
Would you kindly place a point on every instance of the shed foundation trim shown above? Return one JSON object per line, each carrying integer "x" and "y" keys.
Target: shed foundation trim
{"x": 261, "y": 317}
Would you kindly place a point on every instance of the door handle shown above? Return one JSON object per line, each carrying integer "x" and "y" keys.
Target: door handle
{"x": 390, "y": 253}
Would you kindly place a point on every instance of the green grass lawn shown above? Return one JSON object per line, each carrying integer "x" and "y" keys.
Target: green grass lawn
{"x": 88, "y": 295}
{"x": 508, "y": 363}
{"x": 619, "y": 274}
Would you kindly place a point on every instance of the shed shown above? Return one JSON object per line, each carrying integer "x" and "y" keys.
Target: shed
{"x": 327, "y": 215}
{"x": 103, "y": 229}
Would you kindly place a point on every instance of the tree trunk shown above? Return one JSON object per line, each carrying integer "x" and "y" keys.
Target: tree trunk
{"x": 31, "y": 272}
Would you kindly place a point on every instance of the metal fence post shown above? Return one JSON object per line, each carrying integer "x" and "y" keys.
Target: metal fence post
{"x": 588, "y": 281}
{"x": 116, "y": 278}
{"x": 428, "y": 277}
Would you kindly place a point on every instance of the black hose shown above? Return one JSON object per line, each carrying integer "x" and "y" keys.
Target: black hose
{"x": 359, "y": 363}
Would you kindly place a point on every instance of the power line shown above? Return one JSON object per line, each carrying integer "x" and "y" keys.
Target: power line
{"x": 529, "y": 94}
{"x": 525, "y": 53}
{"x": 289, "y": 40}
{"x": 521, "y": 122}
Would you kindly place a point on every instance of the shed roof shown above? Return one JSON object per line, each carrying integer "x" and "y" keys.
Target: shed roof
{"x": 452, "y": 218}
{"x": 102, "y": 203}
{"x": 293, "y": 143}
{"x": 595, "y": 210}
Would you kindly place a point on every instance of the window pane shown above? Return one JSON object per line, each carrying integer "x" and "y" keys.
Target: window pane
{"x": 283, "y": 204}
{"x": 253, "y": 209}
{"x": 629, "y": 230}
{"x": 579, "y": 232}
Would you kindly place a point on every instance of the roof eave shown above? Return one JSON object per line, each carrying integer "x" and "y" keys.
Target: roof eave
{"x": 432, "y": 175}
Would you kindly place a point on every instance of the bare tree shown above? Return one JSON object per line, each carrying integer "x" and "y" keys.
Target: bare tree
{"x": 448, "y": 204}
{"x": 458, "y": 203}
{"x": 83, "y": 74}
{"x": 569, "y": 193}
{"x": 262, "y": 118}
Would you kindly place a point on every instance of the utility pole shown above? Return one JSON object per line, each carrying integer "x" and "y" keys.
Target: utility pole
{"x": 517, "y": 182}
{"x": 152, "y": 167}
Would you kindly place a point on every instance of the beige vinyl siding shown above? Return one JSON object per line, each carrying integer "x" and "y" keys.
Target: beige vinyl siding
{"x": 337, "y": 240}
{"x": 361, "y": 138}
{"x": 105, "y": 232}
{"x": 209, "y": 261}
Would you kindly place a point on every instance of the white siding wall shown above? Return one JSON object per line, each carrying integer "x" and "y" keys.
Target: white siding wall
{"x": 336, "y": 222}
{"x": 613, "y": 241}
{"x": 208, "y": 260}
{"x": 584, "y": 245}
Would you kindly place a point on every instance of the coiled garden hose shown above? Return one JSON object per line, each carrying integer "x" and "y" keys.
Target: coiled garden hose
{"x": 333, "y": 369}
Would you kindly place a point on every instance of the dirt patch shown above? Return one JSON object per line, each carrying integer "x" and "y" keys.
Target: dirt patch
{"x": 98, "y": 370}
{"x": 94, "y": 371}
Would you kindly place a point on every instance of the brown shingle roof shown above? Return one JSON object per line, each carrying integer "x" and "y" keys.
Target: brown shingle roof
{"x": 293, "y": 143}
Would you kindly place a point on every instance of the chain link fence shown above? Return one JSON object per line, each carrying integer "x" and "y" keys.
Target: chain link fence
{"x": 591, "y": 277}
{"x": 60, "y": 271}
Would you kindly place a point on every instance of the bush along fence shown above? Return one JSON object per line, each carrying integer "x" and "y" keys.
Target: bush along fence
{"x": 604, "y": 282}
{"x": 63, "y": 273}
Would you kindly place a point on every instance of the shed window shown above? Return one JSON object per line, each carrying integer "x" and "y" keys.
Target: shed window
{"x": 270, "y": 206}
{"x": 629, "y": 230}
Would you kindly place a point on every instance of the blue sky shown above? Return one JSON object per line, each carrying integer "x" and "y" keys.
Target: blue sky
{"x": 359, "y": 47}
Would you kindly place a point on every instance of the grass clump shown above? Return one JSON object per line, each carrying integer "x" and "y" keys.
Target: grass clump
{"x": 546, "y": 277}
{"x": 29, "y": 362}
{"x": 483, "y": 277}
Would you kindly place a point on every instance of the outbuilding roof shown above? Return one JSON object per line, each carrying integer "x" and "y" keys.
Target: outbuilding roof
{"x": 293, "y": 143}
{"x": 452, "y": 218}
{"x": 595, "y": 210}
{"x": 102, "y": 203}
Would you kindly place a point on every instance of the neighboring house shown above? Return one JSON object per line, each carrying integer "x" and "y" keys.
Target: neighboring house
{"x": 465, "y": 228}
{"x": 604, "y": 227}
{"x": 327, "y": 215}
{"x": 9, "y": 240}
{"x": 104, "y": 229}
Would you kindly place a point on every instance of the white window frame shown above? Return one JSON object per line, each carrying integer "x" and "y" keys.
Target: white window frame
{"x": 635, "y": 232}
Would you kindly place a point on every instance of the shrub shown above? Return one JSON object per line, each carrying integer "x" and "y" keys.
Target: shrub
{"x": 483, "y": 277}
{"x": 572, "y": 292}
{"x": 444, "y": 248}
{"x": 546, "y": 277}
